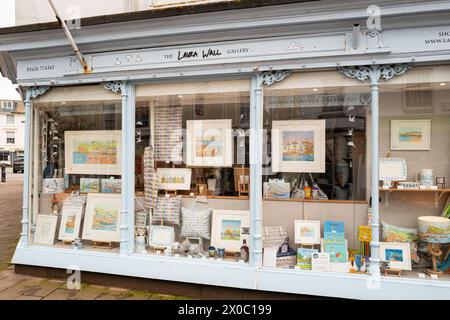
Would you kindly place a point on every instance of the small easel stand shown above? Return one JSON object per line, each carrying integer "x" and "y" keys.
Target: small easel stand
{"x": 397, "y": 272}
{"x": 307, "y": 245}
{"x": 103, "y": 245}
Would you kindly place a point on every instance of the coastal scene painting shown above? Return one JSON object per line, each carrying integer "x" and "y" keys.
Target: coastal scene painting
{"x": 231, "y": 230}
{"x": 210, "y": 144}
{"x": 298, "y": 145}
{"x": 411, "y": 134}
{"x": 95, "y": 152}
{"x": 105, "y": 218}
{"x": 69, "y": 226}
{"x": 394, "y": 255}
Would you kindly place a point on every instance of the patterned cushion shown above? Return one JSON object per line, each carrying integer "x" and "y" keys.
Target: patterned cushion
{"x": 167, "y": 210}
{"x": 196, "y": 223}
{"x": 393, "y": 233}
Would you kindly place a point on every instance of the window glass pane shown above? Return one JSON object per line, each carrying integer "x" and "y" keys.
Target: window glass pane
{"x": 10, "y": 119}
{"x": 76, "y": 169}
{"x": 200, "y": 160}
{"x": 314, "y": 169}
{"x": 414, "y": 131}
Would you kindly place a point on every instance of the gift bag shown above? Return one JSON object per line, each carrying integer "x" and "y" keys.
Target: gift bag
{"x": 274, "y": 236}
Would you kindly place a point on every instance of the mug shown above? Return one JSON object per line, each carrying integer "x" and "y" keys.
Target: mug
{"x": 221, "y": 252}
{"x": 426, "y": 177}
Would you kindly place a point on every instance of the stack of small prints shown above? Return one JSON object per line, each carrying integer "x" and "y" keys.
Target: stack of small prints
{"x": 150, "y": 179}
{"x": 168, "y": 134}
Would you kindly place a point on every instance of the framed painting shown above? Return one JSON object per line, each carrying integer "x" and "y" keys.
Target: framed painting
{"x": 411, "y": 134}
{"x": 111, "y": 185}
{"x": 102, "y": 217}
{"x": 45, "y": 229}
{"x": 89, "y": 185}
{"x": 397, "y": 253}
{"x": 298, "y": 146}
{"x": 69, "y": 227}
{"x": 307, "y": 231}
{"x": 209, "y": 143}
{"x": 230, "y": 228}
{"x": 174, "y": 178}
{"x": 93, "y": 152}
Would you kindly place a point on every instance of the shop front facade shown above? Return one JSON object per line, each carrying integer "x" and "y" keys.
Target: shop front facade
{"x": 243, "y": 150}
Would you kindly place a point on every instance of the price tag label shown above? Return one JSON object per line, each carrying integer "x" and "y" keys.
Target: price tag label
{"x": 434, "y": 188}
{"x": 177, "y": 255}
{"x": 400, "y": 187}
{"x": 158, "y": 252}
{"x": 192, "y": 194}
{"x": 167, "y": 195}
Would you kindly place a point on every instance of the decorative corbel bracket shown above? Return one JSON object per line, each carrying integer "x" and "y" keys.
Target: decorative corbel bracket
{"x": 268, "y": 78}
{"x": 116, "y": 86}
{"x": 375, "y": 72}
{"x": 34, "y": 92}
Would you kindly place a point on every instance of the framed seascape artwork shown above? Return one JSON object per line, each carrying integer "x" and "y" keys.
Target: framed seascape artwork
{"x": 89, "y": 185}
{"x": 397, "y": 253}
{"x": 230, "y": 228}
{"x": 111, "y": 185}
{"x": 209, "y": 143}
{"x": 174, "y": 178}
{"x": 69, "y": 227}
{"x": 307, "y": 231}
{"x": 298, "y": 146}
{"x": 45, "y": 229}
{"x": 102, "y": 217}
{"x": 93, "y": 152}
{"x": 411, "y": 134}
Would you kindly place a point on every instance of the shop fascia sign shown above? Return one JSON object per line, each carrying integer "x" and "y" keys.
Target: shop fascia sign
{"x": 269, "y": 49}
{"x": 395, "y": 41}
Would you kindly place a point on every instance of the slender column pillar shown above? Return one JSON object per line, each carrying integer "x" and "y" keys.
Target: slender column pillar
{"x": 130, "y": 128}
{"x": 256, "y": 150}
{"x": 122, "y": 87}
{"x": 31, "y": 93}
{"x": 256, "y": 171}
{"x": 374, "y": 73}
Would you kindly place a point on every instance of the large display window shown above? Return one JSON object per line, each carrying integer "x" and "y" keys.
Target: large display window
{"x": 192, "y": 170}
{"x": 414, "y": 165}
{"x": 314, "y": 167}
{"x": 317, "y": 164}
{"x": 76, "y": 169}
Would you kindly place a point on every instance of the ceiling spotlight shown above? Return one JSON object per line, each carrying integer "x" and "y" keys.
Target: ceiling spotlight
{"x": 180, "y": 96}
{"x": 443, "y": 84}
{"x": 315, "y": 89}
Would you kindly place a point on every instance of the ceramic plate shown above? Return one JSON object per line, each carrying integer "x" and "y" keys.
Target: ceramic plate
{"x": 392, "y": 169}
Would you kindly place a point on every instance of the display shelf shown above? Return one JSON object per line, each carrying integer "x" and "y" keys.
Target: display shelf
{"x": 438, "y": 193}
{"x": 317, "y": 201}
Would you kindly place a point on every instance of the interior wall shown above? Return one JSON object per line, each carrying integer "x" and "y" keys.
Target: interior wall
{"x": 405, "y": 207}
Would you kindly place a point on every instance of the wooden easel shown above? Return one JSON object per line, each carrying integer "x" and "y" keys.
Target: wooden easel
{"x": 398, "y": 272}
{"x": 307, "y": 245}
